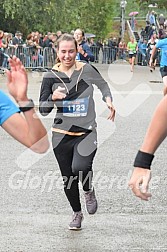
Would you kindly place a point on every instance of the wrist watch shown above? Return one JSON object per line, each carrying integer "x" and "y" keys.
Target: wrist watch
{"x": 28, "y": 106}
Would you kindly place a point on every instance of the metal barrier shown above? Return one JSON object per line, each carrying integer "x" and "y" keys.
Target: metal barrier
{"x": 32, "y": 57}
{"x": 42, "y": 59}
{"x": 95, "y": 50}
{"x": 49, "y": 57}
{"x": 109, "y": 54}
{"x": 143, "y": 58}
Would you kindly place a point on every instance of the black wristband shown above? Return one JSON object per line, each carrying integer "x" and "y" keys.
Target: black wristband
{"x": 143, "y": 160}
{"x": 28, "y": 106}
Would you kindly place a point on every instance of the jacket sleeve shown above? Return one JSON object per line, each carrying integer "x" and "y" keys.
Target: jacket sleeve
{"x": 46, "y": 104}
{"x": 99, "y": 81}
{"x": 90, "y": 55}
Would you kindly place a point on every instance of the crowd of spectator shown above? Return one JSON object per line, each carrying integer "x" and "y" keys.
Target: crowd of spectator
{"x": 32, "y": 53}
{"x": 154, "y": 30}
{"x": 31, "y": 48}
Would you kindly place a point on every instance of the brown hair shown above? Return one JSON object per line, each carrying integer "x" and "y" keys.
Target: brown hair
{"x": 1, "y": 34}
{"x": 29, "y": 36}
{"x": 65, "y": 37}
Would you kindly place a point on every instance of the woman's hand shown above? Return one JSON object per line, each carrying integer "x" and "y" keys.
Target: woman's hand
{"x": 139, "y": 183}
{"x": 58, "y": 94}
{"x": 80, "y": 50}
{"x": 17, "y": 80}
{"x": 111, "y": 108}
{"x": 112, "y": 112}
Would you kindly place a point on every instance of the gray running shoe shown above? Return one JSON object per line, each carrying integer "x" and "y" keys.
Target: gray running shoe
{"x": 91, "y": 202}
{"x": 75, "y": 224}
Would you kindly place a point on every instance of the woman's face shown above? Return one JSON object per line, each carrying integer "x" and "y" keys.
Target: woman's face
{"x": 67, "y": 53}
{"x": 78, "y": 35}
{"x": 154, "y": 36}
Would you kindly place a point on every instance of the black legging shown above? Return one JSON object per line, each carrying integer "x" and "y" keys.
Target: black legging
{"x": 75, "y": 157}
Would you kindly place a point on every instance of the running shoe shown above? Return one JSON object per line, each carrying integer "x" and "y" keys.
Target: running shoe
{"x": 91, "y": 201}
{"x": 75, "y": 224}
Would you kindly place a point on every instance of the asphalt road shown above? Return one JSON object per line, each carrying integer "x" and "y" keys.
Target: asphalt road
{"x": 34, "y": 212}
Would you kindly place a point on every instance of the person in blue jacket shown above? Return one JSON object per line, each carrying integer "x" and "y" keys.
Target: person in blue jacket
{"x": 84, "y": 51}
{"x": 162, "y": 45}
{"x": 25, "y": 127}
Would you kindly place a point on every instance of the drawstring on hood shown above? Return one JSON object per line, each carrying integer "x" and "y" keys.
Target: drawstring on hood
{"x": 79, "y": 65}
{"x": 61, "y": 81}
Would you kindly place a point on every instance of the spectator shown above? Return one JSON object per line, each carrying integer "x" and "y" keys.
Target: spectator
{"x": 48, "y": 42}
{"x": 133, "y": 23}
{"x": 151, "y": 31}
{"x": 147, "y": 29}
{"x": 148, "y": 17}
{"x": 3, "y": 45}
{"x": 142, "y": 46}
{"x": 152, "y": 18}
{"x": 161, "y": 19}
{"x": 106, "y": 52}
{"x": 84, "y": 51}
{"x": 143, "y": 33}
{"x": 17, "y": 40}
{"x": 58, "y": 33}
{"x": 122, "y": 50}
{"x": 18, "y": 43}
{"x": 165, "y": 24}
{"x": 161, "y": 32}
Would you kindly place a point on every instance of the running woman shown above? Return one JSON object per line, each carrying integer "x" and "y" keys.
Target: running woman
{"x": 132, "y": 50}
{"x": 69, "y": 87}
{"x": 150, "y": 45}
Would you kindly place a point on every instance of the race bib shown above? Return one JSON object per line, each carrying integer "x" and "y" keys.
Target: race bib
{"x": 76, "y": 108}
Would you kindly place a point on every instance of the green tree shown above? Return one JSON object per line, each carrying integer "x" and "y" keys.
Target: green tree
{"x": 50, "y": 15}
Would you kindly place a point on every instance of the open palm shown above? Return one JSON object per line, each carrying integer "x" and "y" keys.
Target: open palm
{"x": 17, "y": 80}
